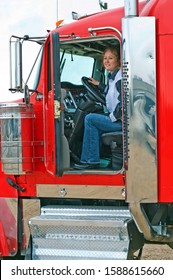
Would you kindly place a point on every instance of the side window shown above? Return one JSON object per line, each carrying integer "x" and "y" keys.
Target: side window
{"x": 73, "y": 67}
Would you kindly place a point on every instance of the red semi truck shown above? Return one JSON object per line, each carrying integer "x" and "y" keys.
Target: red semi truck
{"x": 48, "y": 209}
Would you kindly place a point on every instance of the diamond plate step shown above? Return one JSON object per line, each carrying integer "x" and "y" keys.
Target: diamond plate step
{"x": 80, "y": 233}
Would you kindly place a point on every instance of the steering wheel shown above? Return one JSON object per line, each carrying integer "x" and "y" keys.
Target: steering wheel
{"x": 93, "y": 91}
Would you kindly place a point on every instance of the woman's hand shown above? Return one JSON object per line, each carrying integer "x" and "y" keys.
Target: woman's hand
{"x": 93, "y": 81}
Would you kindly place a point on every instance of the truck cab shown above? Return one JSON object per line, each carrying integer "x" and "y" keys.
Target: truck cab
{"x": 58, "y": 212}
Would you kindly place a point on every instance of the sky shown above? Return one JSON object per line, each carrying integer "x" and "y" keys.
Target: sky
{"x": 35, "y": 17}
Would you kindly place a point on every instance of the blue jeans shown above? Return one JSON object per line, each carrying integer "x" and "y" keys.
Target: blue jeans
{"x": 94, "y": 126}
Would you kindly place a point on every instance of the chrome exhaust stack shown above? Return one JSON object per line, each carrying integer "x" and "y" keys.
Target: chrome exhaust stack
{"x": 131, "y": 8}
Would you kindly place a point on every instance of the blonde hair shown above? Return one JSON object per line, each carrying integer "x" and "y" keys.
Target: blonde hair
{"x": 114, "y": 50}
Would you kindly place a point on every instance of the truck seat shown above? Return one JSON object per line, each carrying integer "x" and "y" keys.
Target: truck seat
{"x": 115, "y": 142}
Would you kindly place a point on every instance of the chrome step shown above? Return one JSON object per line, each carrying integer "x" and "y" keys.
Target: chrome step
{"x": 80, "y": 233}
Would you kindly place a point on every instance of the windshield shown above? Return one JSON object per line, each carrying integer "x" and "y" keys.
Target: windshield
{"x": 73, "y": 67}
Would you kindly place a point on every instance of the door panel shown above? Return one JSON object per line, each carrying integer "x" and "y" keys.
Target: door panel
{"x": 56, "y": 146}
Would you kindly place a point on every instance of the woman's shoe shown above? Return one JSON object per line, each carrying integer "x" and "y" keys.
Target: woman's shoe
{"x": 82, "y": 166}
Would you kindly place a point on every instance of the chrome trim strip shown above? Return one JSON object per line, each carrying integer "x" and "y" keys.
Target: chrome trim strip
{"x": 80, "y": 191}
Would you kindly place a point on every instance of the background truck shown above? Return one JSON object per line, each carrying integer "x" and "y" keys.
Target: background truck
{"x": 49, "y": 210}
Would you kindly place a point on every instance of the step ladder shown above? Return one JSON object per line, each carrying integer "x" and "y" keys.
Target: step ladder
{"x": 62, "y": 233}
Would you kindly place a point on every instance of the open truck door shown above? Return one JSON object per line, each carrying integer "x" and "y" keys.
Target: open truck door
{"x": 57, "y": 157}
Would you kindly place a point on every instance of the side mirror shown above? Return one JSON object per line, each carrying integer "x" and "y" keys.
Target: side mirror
{"x": 16, "y": 65}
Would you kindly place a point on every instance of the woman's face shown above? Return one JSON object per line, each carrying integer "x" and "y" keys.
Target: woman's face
{"x": 110, "y": 61}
